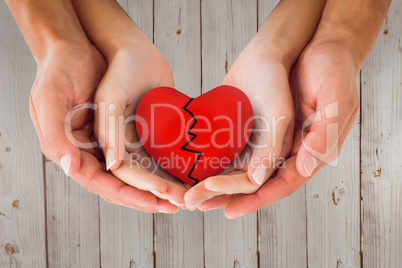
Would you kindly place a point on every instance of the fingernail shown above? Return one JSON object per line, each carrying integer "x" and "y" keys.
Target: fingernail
{"x": 194, "y": 207}
{"x": 209, "y": 187}
{"x": 110, "y": 160}
{"x": 157, "y": 193}
{"x": 310, "y": 164}
{"x": 206, "y": 209}
{"x": 175, "y": 203}
{"x": 162, "y": 211}
{"x": 259, "y": 174}
{"x": 65, "y": 163}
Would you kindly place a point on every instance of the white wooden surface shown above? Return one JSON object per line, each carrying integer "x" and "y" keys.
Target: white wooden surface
{"x": 177, "y": 36}
{"x": 333, "y": 209}
{"x": 227, "y": 26}
{"x": 22, "y": 191}
{"x": 73, "y": 234}
{"x": 381, "y": 140}
{"x": 282, "y": 226}
{"x": 126, "y": 235}
{"x": 47, "y": 220}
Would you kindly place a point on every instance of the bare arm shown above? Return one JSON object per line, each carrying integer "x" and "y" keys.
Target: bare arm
{"x": 135, "y": 66}
{"x": 262, "y": 72}
{"x": 107, "y": 25}
{"x": 289, "y": 28}
{"x": 354, "y": 23}
{"x": 44, "y": 22}
{"x": 69, "y": 71}
{"x": 325, "y": 74}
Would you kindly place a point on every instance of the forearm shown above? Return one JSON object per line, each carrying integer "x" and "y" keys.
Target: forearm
{"x": 353, "y": 23}
{"x": 44, "y": 22}
{"x": 107, "y": 25}
{"x": 289, "y": 28}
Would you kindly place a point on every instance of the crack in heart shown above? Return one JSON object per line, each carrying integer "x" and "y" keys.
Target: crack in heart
{"x": 224, "y": 115}
{"x": 193, "y": 136}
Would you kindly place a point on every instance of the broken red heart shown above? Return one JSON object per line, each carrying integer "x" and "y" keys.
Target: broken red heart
{"x": 194, "y": 138}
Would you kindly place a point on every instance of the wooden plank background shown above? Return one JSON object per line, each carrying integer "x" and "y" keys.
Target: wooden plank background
{"x": 348, "y": 216}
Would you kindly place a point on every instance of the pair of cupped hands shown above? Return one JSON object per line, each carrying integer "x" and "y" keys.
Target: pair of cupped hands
{"x": 75, "y": 73}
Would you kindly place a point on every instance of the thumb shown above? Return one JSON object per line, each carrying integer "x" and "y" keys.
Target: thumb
{"x": 55, "y": 132}
{"x": 320, "y": 137}
{"x": 109, "y": 125}
{"x": 269, "y": 147}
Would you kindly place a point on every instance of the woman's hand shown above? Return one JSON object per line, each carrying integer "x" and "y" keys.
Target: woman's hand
{"x": 262, "y": 72}
{"x": 61, "y": 102}
{"x": 264, "y": 79}
{"x": 326, "y": 100}
{"x": 131, "y": 73}
{"x": 134, "y": 67}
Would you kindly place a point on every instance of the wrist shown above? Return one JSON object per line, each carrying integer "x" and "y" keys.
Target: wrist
{"x": 108, "y": 26}
{"x": 45, "y": 24}
{"x": 125, "y": 39}
{"x": 345, "y": 39}
{"x": 256, "y": 53}
{"x": 272, "y": 47}
{"x": 352, "y": 24}
{"x": 286, "y": 37}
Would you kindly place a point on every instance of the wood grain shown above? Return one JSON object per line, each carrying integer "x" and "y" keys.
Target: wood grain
{"x": 179, "y": 237}
{"x": 22, "y": 195}
{"x": 126, "y": 235}
{"x": 333, "y": 208}
{"x": 48, "y": 220}
{"x": 227, "y": 27}
{"x": 72, "y": 221}
{"x": 282, "y": 225}
{"x": 381, "y": 102}
{"x": 123, "y": 3}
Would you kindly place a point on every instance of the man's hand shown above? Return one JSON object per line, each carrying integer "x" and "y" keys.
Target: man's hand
{"x": 327, "y": 100}
{"x": 134, "y": 67}
{"x": 325, "y": 95}
{"x": 67, "y": 77}
{"x": 69, "y": 71}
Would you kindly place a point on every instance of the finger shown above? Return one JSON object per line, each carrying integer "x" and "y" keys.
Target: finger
{"x": 164, "y": 206}
{"x": 216, "y": 186}
{"x": 348, "y": 128}
{"x": 321, "y": 142}
{"x": 217, "y": 202}
{"x": 286, "y": 181}
{"x": 139, "y": 178}
{"x": 134, "y": 174}
{"x": 271, "y": 121}
{"x": 109, "y": 129}
{"x": 230, "y": 184}
{"x": 176, "y": 188}
{"x": 240, "y": 183}
{"x": 117, "y": 97}
{"x": 268, "y": 146}
{"x": 35, "y": 121}
{"x": 53, "y": 124}
{"x": 145, "y": 209}
{"x": 196, "y": 195}
{"x": 94, "y": 179}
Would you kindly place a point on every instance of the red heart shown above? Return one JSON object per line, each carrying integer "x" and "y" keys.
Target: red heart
{"x": 194, "y": 139}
